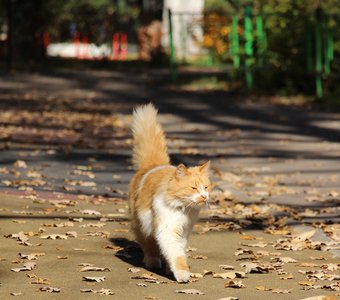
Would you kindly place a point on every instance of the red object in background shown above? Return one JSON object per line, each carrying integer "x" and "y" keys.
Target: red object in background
{"x": 115, "y": 46}
{"x": 46, "y": 39}
{"x": 76, "y": 45}
{"x": 123, "y": 46}
{"x": 86, "y": 47}
{"x": 119, "y": 46}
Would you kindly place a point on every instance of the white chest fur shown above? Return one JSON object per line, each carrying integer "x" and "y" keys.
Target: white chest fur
{"x": 173, "y": 220}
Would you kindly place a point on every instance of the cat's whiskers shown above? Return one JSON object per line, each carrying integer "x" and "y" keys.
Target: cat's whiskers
{"x": 190, "y": 205}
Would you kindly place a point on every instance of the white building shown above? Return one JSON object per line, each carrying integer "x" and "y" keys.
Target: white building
{"x": 186, "y": 26}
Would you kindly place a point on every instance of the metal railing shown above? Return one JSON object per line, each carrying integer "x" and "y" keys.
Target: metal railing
{"x": 247, "y": 44}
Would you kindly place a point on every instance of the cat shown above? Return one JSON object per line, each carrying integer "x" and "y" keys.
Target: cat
{"x": 164, "y": 200}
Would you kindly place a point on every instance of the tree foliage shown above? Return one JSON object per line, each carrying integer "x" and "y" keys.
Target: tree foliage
{"x": 288, "y": 25}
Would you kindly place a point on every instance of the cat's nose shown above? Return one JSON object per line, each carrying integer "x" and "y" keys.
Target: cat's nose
{"x": 204, "y": 196}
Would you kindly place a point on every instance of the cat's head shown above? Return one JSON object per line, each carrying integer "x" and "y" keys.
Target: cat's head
{"x": 191, "y": 186}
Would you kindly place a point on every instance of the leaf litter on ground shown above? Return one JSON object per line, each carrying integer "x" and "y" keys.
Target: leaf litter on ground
{"x": 94, "y": 278}
{"x": 230, "y": 275}
{"x": 92, "y": 268}
{"x": 234, "y": 284}
{"x": 102, "y": 291}
{"x": 190, "y": 292}
{"x": 27, "y": 267}
{"x": 32, "y": 256}
{"x": 50, "y": 289}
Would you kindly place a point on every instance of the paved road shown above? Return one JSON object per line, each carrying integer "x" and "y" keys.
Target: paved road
{"x": 65, "y": 135}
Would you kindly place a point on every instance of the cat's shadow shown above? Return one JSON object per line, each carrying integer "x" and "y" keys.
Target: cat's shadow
{"x": 132, "y": 254}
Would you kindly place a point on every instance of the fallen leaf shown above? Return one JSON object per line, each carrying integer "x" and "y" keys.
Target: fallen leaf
{"x": 78, "y": 220}
{"x": 303, "y": 236}
{"x": 330, "y": 267}
{"x": 49, "y": 289}
{"x": 230, "y": 275}
{"x": 281, "y": 291}
{"x": 20, "y": 164}
{"x": 243, "y": 251}
{"x": 21, "y": 237}
{"x": 234, "y": 284}
{"x": 80, "y": 183}
{"x": 228, "y": 298}
{"x": 101, "y": 291}
{"x": 255, "y": 268}
{"x": 98, "y": 225}
{"x": 191, "y": 249}
{"x": 27, "y": 267}
{"x": 90, "y": 212}
{"x": 96, "y": 279}
{"x": 145, "y": 276}
{"x": 32, "y": 256}
{"x": 19, "y": 221}
{"x": 133, "y": 270}
{"x": 112, "y": 247}
{"x": 289, "y": 276}
{"x": 103, "y": 234}
{"x": 207, "y": 272}
{"x": 246, "y": 237}
{"x": 65, "y": 224}
{"x": 260, "y": 245}
{"x": 72, "y": 234}
{"x": 141, "y": 284}
{"x": 39, "y": 280}
{"x": 90, "y": 268}
{"x": 190, "y": 292}
{"x": 263, "y": 288}
{"x": 196, "y": 275}
{"x": 306, "y": 283}
{"x": 54, "y": 236}
{"x": 308, "y": 265}
{"x": 284, "y": 259}
{"x": 86, "y": 265}
{"x": 227, "y": 267}
{"x": 16, "y": 294}
{"x": 318, "y": 257}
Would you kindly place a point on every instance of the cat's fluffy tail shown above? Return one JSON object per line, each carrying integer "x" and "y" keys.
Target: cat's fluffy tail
{"x": 149, "y": 146}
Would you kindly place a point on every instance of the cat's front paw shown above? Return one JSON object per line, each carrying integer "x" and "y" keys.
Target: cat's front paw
{"x": 182, "y": 276}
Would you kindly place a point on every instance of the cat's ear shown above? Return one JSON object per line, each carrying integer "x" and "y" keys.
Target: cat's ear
{"x": 205, "y": 167}
{"x": 181, "y": 171}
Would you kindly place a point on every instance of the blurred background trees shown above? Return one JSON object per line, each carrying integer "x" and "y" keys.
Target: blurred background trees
{"x": 98, "y": 19}
{"x": 288, "y": 25}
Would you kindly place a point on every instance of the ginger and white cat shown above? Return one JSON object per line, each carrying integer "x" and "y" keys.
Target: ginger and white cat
{"x": 164, "y": 200}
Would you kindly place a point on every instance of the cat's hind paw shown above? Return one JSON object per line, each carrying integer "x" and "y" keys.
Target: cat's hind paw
{"x": 152, "y": 263}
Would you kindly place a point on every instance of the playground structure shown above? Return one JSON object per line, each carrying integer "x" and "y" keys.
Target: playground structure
{"x": 82, "y": 49}
{"x": 245, "y": 44}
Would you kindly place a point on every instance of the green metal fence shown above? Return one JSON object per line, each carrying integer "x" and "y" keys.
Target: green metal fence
{"x": 248, "y": 45}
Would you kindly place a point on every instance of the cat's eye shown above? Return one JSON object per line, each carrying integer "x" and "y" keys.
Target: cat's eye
{"x": 194, "y": 188}
{"x": 206, "y": 187}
